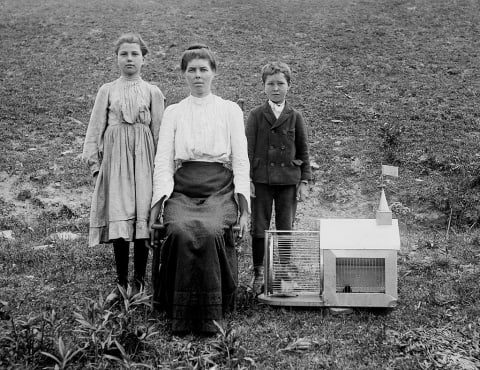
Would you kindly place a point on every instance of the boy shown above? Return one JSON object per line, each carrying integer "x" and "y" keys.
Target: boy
{"x": 279, "y": 163}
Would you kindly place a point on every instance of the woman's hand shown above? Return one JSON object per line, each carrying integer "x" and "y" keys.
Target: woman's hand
{"x": 243, "y": 219}
{"x": 302, "y": 191}
{"x": 95, "y": 176}
{"x": 243, "y": 224}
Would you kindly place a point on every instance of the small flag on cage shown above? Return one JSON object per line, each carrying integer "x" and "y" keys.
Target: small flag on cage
{"x": 389, "y": 170}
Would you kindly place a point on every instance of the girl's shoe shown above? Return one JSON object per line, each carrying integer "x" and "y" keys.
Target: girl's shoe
{"x": 116, "y": 295}
{"x": 138, "y": 286}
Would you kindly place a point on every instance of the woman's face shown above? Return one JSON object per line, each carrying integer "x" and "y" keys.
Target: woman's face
{"x": 130, "y": 59}
{"x": 199, "y": 76}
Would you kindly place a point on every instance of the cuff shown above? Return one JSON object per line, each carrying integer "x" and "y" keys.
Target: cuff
{"x": 94, "y": 169}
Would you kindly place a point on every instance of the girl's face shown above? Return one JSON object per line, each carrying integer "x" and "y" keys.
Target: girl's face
{"x": 130, "y": 59}
{"x": 276, "y": 87}
{"x": 199, "y": 76}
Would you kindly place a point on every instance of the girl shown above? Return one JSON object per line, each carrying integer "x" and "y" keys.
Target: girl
{"x": 120, "y": 148}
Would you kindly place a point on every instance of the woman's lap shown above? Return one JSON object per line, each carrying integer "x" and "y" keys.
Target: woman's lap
{"x": 198, "y": 275}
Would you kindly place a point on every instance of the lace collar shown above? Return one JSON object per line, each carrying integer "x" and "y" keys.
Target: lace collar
{"x": 203, "y": 100}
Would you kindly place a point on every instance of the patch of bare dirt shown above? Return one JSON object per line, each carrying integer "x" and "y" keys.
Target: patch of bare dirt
{"x": 27, "y": 200}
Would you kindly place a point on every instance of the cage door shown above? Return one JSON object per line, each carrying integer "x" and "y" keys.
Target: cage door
{"x": 293, "y": 262}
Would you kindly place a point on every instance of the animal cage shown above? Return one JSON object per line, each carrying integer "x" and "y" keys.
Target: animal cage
{"x": 346, "y": 263}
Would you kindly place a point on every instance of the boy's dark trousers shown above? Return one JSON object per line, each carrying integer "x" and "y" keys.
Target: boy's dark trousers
{"x": 283, "y": 197}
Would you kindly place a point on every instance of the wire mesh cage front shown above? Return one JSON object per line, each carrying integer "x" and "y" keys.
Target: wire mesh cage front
{"x": 293, "y": 263}
{"x": 360, "y": 275}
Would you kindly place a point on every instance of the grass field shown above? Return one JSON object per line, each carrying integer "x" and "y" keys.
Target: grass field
{"x": 386, "y": 81}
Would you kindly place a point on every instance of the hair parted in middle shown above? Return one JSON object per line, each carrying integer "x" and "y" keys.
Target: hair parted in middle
{"x": 131, "y": 38}
{"x": 198, "y": 51}
{"x": 273, "y": 68}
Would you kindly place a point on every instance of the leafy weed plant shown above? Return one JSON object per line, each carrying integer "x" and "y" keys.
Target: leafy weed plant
{"x": 116, "y": 332}
{"x": 391, "y": 139}
{"x": 27, "y": 338}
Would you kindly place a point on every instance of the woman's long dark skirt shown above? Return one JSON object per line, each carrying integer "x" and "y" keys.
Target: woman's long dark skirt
{"x": 196, "y": 278}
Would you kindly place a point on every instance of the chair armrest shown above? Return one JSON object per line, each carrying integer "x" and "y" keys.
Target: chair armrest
{"x": 159, "y": 232}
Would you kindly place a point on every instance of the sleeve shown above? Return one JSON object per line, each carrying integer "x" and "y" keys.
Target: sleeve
{"x": 301, "y": 144}
{"x": 164, "y": 158}
{"x": 96, "y": 127}
{"x": 251, "y": 134}
{"x": 240, "y": 162}
{"x": 156, "y": 109}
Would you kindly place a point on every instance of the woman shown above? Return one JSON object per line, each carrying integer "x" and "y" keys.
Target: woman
{"x": 200, "y": 139}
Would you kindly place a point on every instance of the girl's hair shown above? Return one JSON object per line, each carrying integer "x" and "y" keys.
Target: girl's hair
{"x": 131, "y": 38}
{"x": 198, "y": 51}
{"x": 273, "y": 68}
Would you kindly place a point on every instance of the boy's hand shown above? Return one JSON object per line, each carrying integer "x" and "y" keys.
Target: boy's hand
{"x": 252, "y": 190}
{"x": 302, "y": 192}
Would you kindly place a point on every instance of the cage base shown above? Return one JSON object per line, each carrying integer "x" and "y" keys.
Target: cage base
{"x": 300, "y": 300}
{"x": 314, "y": 300}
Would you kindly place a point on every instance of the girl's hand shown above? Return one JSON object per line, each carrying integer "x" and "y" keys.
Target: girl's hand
{"x": 95, "y": 176}
{"x": 302, "y": 192}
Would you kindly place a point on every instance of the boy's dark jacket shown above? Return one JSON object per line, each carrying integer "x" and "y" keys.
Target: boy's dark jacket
{"x": 277, "y": 148}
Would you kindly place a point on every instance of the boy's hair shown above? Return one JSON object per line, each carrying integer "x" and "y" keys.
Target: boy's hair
{"x": 131, "y": 38}
{"x": 276, "y": 67}
{"x": 198, "y": 51}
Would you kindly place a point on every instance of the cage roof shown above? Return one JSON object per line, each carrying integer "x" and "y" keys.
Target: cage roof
{"x": 354, "y": 233}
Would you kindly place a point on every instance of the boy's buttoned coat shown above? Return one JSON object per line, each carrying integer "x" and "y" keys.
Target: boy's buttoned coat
{"x": 277, "y": 148}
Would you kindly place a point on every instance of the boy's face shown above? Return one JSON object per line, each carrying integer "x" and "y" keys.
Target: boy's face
{"x": 276, "y": 87}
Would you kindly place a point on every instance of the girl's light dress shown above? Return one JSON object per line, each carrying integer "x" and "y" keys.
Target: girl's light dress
{"x": 120, "y": 145}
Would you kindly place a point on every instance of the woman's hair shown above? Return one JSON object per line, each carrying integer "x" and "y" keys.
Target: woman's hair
{"x": 273, "y": 68}
{"x": 131, "y": 38}
{"x": 198, "y": 51}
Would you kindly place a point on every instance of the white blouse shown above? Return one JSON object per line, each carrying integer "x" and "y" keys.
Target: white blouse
{"x": 208, "y": 129}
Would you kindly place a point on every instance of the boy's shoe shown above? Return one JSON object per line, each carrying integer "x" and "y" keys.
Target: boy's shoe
{"x": 258, "y": 280}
